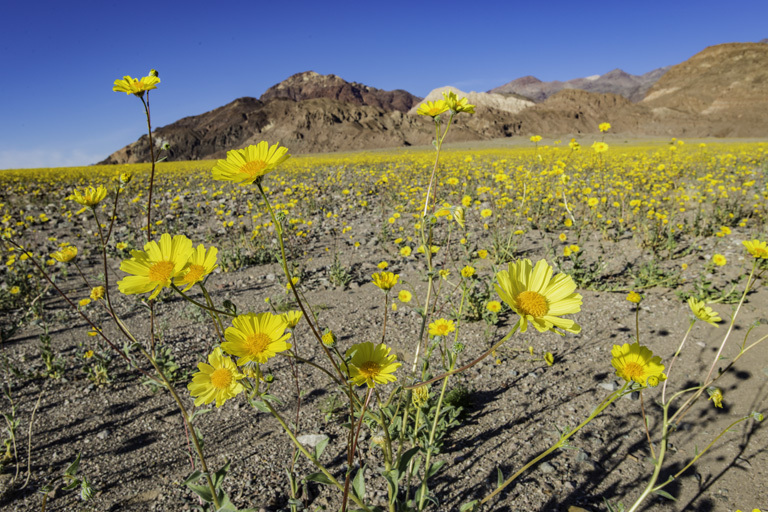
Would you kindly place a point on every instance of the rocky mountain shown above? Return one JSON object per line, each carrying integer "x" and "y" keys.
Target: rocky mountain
{"x": 617, "y": 81}
{"x": 726, "y": 86}
{"x": 719, "y": 92}
{"x": 310, "y": 85}
{"x": 511, "y": 103}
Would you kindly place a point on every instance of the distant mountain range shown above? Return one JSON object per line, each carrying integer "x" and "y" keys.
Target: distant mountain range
{"x": 722, "y": 91}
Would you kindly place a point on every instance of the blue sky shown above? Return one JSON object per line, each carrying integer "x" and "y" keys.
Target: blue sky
{"x": 58, "y": 59}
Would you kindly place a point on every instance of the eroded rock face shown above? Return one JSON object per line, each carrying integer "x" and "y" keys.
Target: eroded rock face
{"x": 310, "y": 85}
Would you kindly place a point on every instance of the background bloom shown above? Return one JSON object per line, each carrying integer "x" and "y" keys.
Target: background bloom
{"x": 371, "y": 364}
{"x": 247, "y": 165}
{"x": 156, "y": 266}
{"x": 635, "y": 363}
{"x": 217, "y": 380}
{"x": 256, "y": 337}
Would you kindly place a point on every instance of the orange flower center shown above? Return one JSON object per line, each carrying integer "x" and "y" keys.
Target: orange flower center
{"x": 369, "y": 369}
{"x": 434, "y": 111}
{"x": 255, "y": 344}
{"x": 254, "y": 168}
{"x": 195, "y": 273}
{"x": 532, "y": 303}
{"x": 221, "y": 378}
{"x": 442, "y": 329}
{"x": 161, "y": 271}
{"x": 633, "y": 371}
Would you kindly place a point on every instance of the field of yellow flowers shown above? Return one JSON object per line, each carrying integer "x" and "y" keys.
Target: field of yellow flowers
{"x": 640, "y": 228}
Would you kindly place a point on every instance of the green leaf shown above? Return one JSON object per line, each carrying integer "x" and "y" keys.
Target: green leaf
{"x": 358, "y": 484}
{"x": 319, "y": 478}
{"x": 405, "y": 459}
{"x": 665, "y": 494}
{"x": 434, "y": 468}
{"x": 499, "y": 477}
{"x": 320, "y": 447}
{"x": 392, "y": 476}
{"x": 72, "y": 468}
{"x": 260, "y": 405}
{"x": 469, "y": 507}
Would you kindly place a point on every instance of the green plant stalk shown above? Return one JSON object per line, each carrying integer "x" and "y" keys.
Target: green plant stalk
{"x": 688, "y": 403}
{"x": 671, "y": 364}
{"x": 658, "y": 462}
{"x": 309, "y": 456}
{"x": 191, "y": 429}
{"x": 152, "y": 159}
{"x": 351, "y": 456}
{"x": 563, "y": 438}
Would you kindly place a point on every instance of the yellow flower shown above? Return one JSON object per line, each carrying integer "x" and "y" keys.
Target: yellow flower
{"x": 567, "y": 251}
{"x": 201, "y": 263}
{"x": 600, "y": 147}
{"x": 84, "y": 302}
{"x": 539, "y": 298}
{"x": 634, "y": 297}
{"x": 716, "y": 395}
{"x": 215, "y": 381}
{"x": 121, "y": 246}
{"x": 328, "y": 338}
{"x": 383, "y": 265}
{"x": 563, "y": 237}
{"x": 371, "y": 364}
{"x": 420, "y": 396}
{"x": 88, "y": 354}
{"x": 459, "y": 216}
{"x": 432, "y": 108}
{"x": 385, "y": 280}
{"x": 704, "y": 312}
{"x": 593, "y": 201}
{"x": 635, "y": 363}
{"x": 444, "y": 273}
{"x": 575, "y": 248}
{"x": 90, "y": 196}
{"x": 486, "y": 213}
{"x": 467, "y": 272}
{"x": 482, "y": 254}
{"x": 136, "y": 86}
{"x": 568, "y": 223}
{"x": 291, "y": 318}
{"x": 15, "y": 290}
{"x": 604, "y": 127}
{"x": 441, "y": 327}
{"x": 493, "y": 306}
{"x": 405, "y": 251}
{"x": 65, "y": 254}
{"x": 98, "y": 292}
{"x": 156, "y": 266}
{"x": 248, "y": 165}
{"x": 549, "y": 358}
{"x": 719, "y": 260}
{"x": 535, "y": 138}
{"x": 256, "y": 337}
{"x": 466, "y": 201}
{"x": 456, "y": 104}
{"x": 575, "y": 146}
{"x": 757, "y": 248}
{"x": 404, "y": 296}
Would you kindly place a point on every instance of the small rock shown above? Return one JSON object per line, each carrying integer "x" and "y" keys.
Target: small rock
{"x": 581, "y": 456}
{"x": 546, "y": 467}
{"x": 103, "y": 434}
{"x": 609, "y": 386}
{"x": 513, "y": 373}
{"x": 533, "y": 375}
{"x": 270, "y": 277}
{"x": 311, "y": 440}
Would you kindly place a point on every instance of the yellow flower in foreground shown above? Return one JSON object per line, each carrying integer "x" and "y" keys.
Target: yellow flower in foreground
{"x": 136, "y": 86}
{"x": 757, "y": 248}
{"x": 604, "y": 127}
{"x": 371, "y": 364}
{"x": 201, "y": 263}
{"x": 247, "y": 165}
{"x": 538, "y": 297}
{"x": 441, "y": 327}
{"x": 467, "y": 271}
{"x": 385, "y": 280}
{"x": 634, "y": 297}
{"x": 704, "y": 312}
{"x": 404, "y": 296}
{"x": 65, "y": 254}
{"x": 98, "y": 292}
{"x": 256, "y": 337}
{"x": 457, "y": 104}
{"x": 635, "y": 363}
{"x": 156, "y": 266}
{"x": 432, "y": 108}
{"x": 600, "y": 147}
{"x": 215, "y": 381}
{"x": 719, "y": 260}
{"x": 90, "y": 196}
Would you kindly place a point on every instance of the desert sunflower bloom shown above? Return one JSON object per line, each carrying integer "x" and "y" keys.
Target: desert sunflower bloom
{"x": 456, "y": 104}
{"x": 604, "y": 127}
{"x": 757, "y": 248}
{"x": 291, "y": 318}
{"x": 539, "y": 298}
{"x": 635, "y": 363}
{"x": 201, "y": 263}
{"x": 441, "y": 327}
{"x": 65, "y": 254}
{"x": 90, "y": 196}
{"x": 385, "y": 280}
{"x": 136, "y": 86}
{"x": 156, "y": 266}
{"x": 704, "y": 312}
{"x": 600, "y": 147}
{"x": 256, "y": 337}
{"x": 432, "y": 108}
{"x": 217, "y": 380}
{"x": 248, "y": 165}
{"x": 371, "y": 364}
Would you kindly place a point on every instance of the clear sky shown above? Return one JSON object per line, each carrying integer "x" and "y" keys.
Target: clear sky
{"x": 58, "y": 59}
